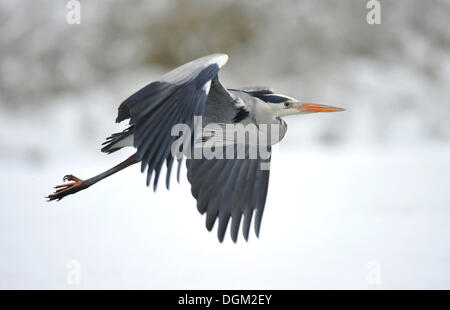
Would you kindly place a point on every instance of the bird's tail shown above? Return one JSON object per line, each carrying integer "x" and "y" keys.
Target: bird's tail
{"x": 118, "y": 140}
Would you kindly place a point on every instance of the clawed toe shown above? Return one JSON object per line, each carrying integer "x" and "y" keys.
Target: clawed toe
{"x": 70, "y": 177}
{"x": 63, "y": 190}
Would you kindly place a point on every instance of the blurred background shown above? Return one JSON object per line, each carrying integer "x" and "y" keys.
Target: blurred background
{"x": 356, "y": 200}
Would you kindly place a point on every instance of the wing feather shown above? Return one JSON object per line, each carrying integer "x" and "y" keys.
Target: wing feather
{"x": 224, "y": 188}
{"x": 176, "y": 98}
{"x": 255, "y": 90}
{"x": 229, "y": 188}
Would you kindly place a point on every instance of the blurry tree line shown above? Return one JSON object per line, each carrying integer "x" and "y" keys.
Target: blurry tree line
{"x": 42, "y": 56}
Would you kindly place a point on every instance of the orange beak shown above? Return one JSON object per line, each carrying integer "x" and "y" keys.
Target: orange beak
{"x": 312, "y": 108}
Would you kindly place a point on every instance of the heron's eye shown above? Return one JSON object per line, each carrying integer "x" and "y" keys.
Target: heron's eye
{"x": 287, "y": 104}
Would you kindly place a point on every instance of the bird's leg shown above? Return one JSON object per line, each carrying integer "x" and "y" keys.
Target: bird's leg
{"x": 67, "y": 188}
{"x": 77, "y": 184}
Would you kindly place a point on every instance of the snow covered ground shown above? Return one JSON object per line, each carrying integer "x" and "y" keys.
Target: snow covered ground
{"x": 336, "y": 217}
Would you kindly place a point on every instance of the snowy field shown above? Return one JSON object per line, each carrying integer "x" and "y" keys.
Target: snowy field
{"x": 334, "y": 216}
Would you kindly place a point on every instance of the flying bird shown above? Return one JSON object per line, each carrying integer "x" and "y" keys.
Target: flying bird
{"x": 234, "y": 187}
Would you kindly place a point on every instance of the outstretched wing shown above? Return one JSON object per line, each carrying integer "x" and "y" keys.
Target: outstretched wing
{"x": 176, "y": 98}
{"x": 224, "y": 188}
{"x": 255, "y": 90}
{"x": 230, "y": 188}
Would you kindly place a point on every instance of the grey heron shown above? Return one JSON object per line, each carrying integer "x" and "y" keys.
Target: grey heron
{"x": 225, "y": 188}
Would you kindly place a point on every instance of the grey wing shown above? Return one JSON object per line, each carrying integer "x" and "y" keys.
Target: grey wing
{"x": 255, "y": 90}
{"x": 230, "y": 188}
{"x": 176, "y": 98}
{"x": 221, "y": 106}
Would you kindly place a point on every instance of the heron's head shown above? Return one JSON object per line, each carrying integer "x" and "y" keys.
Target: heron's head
{"x": 283, "y": 105}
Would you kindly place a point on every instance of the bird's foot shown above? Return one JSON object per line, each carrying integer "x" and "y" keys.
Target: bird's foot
{"x": 67, "y": 189}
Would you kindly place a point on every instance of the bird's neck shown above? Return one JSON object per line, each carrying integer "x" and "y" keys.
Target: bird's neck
{"x": 266, "y": 113}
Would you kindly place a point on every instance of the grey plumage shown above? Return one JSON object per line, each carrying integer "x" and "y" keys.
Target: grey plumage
{"x": 255, "y": 90}
{"x": 156, "y": 108}
{"x": 226, "y": 188}
{"x": 232, "y": 188}
{"x": 110, "y": 145}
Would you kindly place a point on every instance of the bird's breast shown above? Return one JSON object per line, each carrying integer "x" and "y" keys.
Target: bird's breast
{"x": 271, "y": 133}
